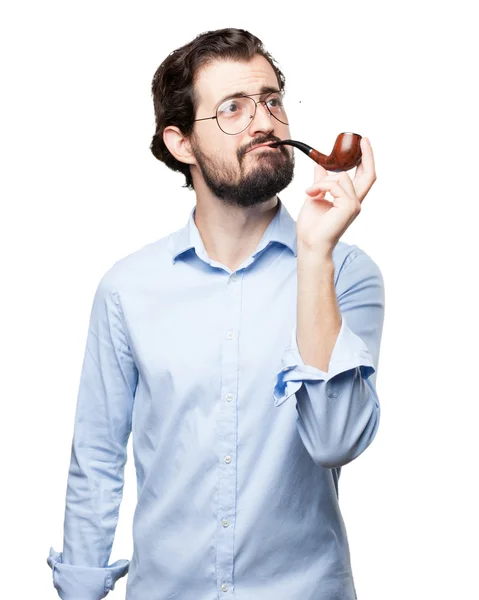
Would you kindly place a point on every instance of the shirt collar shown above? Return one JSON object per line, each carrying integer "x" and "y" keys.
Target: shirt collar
{"x": 282, "y": 229}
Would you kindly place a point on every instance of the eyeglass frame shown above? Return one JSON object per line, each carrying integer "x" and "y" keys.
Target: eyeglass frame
{"x": 254, "y": 114}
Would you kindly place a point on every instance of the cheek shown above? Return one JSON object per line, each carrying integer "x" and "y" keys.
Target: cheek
{"x": 225, "y": 153}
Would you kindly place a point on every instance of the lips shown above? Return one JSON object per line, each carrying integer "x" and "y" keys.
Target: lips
{"x": 261, "y": 146}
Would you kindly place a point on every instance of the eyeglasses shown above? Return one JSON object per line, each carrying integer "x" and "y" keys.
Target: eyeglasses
{"x": 235, "y": 114}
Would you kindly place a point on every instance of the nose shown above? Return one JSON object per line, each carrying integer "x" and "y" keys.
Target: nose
{"x": 263, "y": 119}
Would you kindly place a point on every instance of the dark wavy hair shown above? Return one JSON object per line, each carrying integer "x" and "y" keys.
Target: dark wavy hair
{"x": 174, "y": 98}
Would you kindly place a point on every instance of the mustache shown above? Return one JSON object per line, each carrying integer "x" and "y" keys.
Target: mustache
{"x": 260, "y": 141}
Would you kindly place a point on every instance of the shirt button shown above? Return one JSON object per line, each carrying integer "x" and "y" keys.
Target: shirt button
{"x": 227, "y": 459}
{"x": 224, "y": 587}
{"x": 229, "y": 397}
{"x": 234, "y": 277}
{"x": 231, "y": 335}
{"x": 225, "y": 523}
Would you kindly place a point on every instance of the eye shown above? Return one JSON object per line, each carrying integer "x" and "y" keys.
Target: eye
{"x": 275, "y": 101}
{"x": 235, "y": 107}
{"x": 230, "y": 107}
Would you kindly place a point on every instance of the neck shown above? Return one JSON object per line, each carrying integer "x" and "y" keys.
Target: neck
{"x": 230, "y": 234}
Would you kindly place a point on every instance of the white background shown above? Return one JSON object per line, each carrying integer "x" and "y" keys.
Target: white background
{"x": 80, "y": 189}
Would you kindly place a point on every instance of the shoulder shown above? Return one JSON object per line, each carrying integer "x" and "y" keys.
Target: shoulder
{"x": 353, "y": 259}
{"x": 145, "y": 264}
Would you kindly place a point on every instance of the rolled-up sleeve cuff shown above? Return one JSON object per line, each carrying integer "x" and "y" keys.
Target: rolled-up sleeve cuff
{"x": 348, "y": 353}
{"x": 84, "y": 583}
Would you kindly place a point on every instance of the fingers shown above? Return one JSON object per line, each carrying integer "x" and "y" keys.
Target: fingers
{"x": 365, "y": 174}
{"x": 342, "y": 178}
{"x": 357, "y": 188}
{"x": 319, "y": 172}
{"x": 341, "y": 197}
{"x": 367, "y": 157}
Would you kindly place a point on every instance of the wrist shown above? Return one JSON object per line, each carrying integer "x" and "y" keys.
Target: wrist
{"x": 318, "y": 255}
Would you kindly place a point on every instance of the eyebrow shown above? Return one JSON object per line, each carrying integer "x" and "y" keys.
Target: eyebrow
{"x": 264, "y": 89}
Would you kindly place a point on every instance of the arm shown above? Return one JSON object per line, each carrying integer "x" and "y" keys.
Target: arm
{"x": 98, "y": 456}
{"x": 318, "y": 314}
{"x": 338, "y": 409}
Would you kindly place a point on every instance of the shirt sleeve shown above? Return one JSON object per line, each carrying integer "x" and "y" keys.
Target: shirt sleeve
{"x": 338, "y": 410}
{"x": 98, "y": 455}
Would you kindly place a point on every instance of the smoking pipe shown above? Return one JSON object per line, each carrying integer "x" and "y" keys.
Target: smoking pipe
{"x": 346, "y": 152}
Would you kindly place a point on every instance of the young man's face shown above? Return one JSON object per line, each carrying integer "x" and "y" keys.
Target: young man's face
{"x": 231, "y": 172}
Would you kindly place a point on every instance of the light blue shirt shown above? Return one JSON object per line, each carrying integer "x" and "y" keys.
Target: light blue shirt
{"x": 238, "y": 444}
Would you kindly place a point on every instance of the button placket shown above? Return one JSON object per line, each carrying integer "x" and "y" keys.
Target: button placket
{"x": 226, "y": 435}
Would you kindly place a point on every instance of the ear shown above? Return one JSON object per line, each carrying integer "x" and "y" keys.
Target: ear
{"x": 178, "y": 144}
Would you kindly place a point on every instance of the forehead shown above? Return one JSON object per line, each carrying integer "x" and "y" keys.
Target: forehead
{"x": 223, "y": 77}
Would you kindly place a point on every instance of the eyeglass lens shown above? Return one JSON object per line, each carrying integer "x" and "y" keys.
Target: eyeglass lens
{"x": 235, "y": 114}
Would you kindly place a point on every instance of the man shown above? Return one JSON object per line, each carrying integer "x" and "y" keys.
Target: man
{"x": 242, "y": 353}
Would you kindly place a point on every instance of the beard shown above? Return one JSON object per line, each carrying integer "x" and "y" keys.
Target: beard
{"x": 270, "y": 172}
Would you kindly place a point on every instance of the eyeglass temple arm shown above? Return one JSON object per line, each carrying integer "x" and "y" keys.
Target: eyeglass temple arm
{"x": 204, "y": 118}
